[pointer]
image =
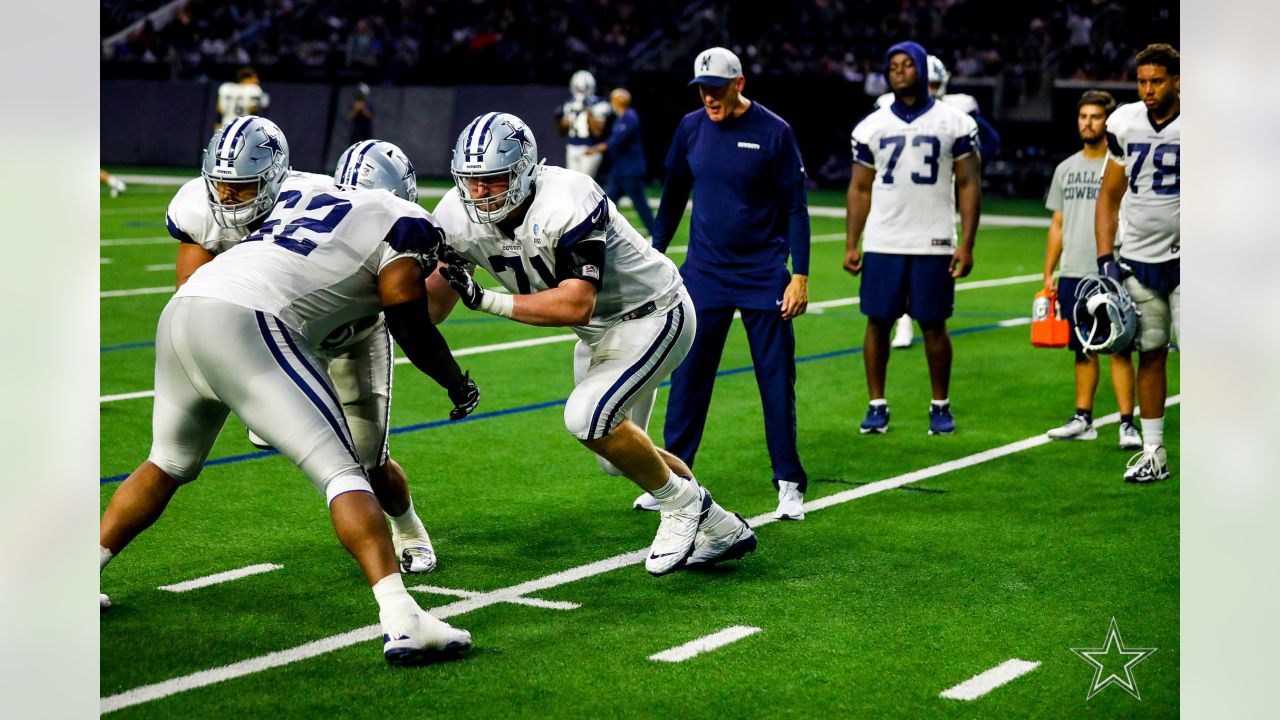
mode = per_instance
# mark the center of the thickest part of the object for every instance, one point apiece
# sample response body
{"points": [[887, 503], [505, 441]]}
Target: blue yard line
{"points": [[547, 404], [127, 346]]}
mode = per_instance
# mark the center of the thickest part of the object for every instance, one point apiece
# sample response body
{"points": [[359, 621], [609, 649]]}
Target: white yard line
{"points": [[715, 640], [117, 242], [569, 337], [160, 266], [531, 602], [167, 289], [165, 688], [983, 683], [104, 261], [221, 577]]}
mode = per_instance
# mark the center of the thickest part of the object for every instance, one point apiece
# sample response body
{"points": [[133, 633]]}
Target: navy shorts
{"points": [[1067, 301], [893, 285]]}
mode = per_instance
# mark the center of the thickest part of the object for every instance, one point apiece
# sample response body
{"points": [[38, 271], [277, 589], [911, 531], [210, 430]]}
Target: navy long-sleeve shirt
{"points": [[626, 152], [749, 203]]}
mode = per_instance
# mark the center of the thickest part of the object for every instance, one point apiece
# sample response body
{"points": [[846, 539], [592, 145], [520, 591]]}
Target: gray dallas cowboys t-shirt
{"points": [[1074, 192]]}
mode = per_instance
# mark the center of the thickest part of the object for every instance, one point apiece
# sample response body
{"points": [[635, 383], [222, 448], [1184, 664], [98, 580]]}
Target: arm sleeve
{"points": [[793, 200], [410, 324], [1115, 146], [177, 232], [860, 143], [675, 191], [583, 260], [966, 140]]}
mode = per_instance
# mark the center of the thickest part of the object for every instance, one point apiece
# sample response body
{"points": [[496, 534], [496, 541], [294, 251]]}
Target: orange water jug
{"points": [[1048, 328]]}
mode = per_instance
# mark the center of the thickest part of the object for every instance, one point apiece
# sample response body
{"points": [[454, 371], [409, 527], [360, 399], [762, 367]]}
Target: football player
{"points": [[570, 259], [1073, 193], [908, 153], [1141, 187], [988, 143], [358, 356], [242, 97], [582, 119], [240, 336]]}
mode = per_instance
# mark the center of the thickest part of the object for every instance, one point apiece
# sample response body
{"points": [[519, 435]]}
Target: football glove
{"points": [[1108, 267], [465, 285], [465, 398]]}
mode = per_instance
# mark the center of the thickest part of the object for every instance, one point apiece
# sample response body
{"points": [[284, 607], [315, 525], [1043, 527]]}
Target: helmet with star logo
{"points": [[377, 164], [244, 166], [497, 153]]}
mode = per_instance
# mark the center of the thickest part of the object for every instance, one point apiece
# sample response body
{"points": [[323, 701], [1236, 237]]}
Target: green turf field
{"points": [[872, 606]]}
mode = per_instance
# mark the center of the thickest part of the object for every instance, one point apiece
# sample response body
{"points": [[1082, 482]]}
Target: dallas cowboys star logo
{"points": [[272, 143], [1098, 657], [520, 136]]}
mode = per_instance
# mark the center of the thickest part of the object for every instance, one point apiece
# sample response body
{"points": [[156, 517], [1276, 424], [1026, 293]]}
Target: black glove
{"points": [[465, 398], [1108, 267], [465, 285]]}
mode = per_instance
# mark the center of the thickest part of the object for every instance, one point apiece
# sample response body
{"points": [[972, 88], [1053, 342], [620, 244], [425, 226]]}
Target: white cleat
{"points": [[1147, 466], [790, 501], [676, 533], [903, 333], [257, 441], [647, 503], [413, 639], [729, 539], [415, 553], [1077, 428], [104, 602], [1130, 438]]}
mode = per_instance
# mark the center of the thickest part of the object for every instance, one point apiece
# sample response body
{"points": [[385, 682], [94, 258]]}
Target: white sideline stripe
{"points": [[715, 640], [117, 242], [497, 347], [137, 291], [165, 688], [104, 261], [221, 577], [983, 683], [532, 602], [161, 266]]}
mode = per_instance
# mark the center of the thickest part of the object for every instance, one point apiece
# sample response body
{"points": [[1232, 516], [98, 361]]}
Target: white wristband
{"points": [[496, 303]]}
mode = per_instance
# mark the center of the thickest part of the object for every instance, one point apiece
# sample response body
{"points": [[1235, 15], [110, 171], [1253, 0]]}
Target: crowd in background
{"points": [[472, 41]]}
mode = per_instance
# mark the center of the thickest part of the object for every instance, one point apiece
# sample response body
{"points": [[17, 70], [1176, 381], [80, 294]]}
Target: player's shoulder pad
{"points": [[568, 206], [302, 181], [965, 103], [1123, 117], [884, 100], [188, 212]]}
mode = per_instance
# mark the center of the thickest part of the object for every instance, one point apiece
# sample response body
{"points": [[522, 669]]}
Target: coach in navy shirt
{"points": [[749, 213]]}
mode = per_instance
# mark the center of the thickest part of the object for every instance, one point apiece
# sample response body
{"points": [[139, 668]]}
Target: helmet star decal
{"points": [[518, 134], [272, 143]]}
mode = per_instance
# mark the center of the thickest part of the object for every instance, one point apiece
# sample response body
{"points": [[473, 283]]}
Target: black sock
{"points": [[1127, 418], [1086, 414]]}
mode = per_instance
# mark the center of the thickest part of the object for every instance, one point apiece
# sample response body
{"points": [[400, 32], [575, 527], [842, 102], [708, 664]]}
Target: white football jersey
{"points": [[315, 261], [190, 220], [966, 104], [1151, 157], [578, 109], [567, 207], [238, 99], [913, 196]]}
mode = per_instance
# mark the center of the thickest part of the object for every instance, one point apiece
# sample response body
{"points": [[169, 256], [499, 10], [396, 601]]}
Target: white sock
{"points": [[677, 492], [878, 402], [408, 523], [1153, 431], [941, 403], [104, 557], [392, 598]]}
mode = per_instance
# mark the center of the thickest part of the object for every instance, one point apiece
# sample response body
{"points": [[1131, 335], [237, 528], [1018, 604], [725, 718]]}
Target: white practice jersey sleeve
{"points": [[568, 207], [884, 100], [913, 195], [189, 219], [1151, 157], [962, 102], [315, 262]]}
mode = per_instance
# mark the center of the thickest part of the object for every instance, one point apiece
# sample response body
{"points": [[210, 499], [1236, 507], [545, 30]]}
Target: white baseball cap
{"points": [[716, 67]]}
